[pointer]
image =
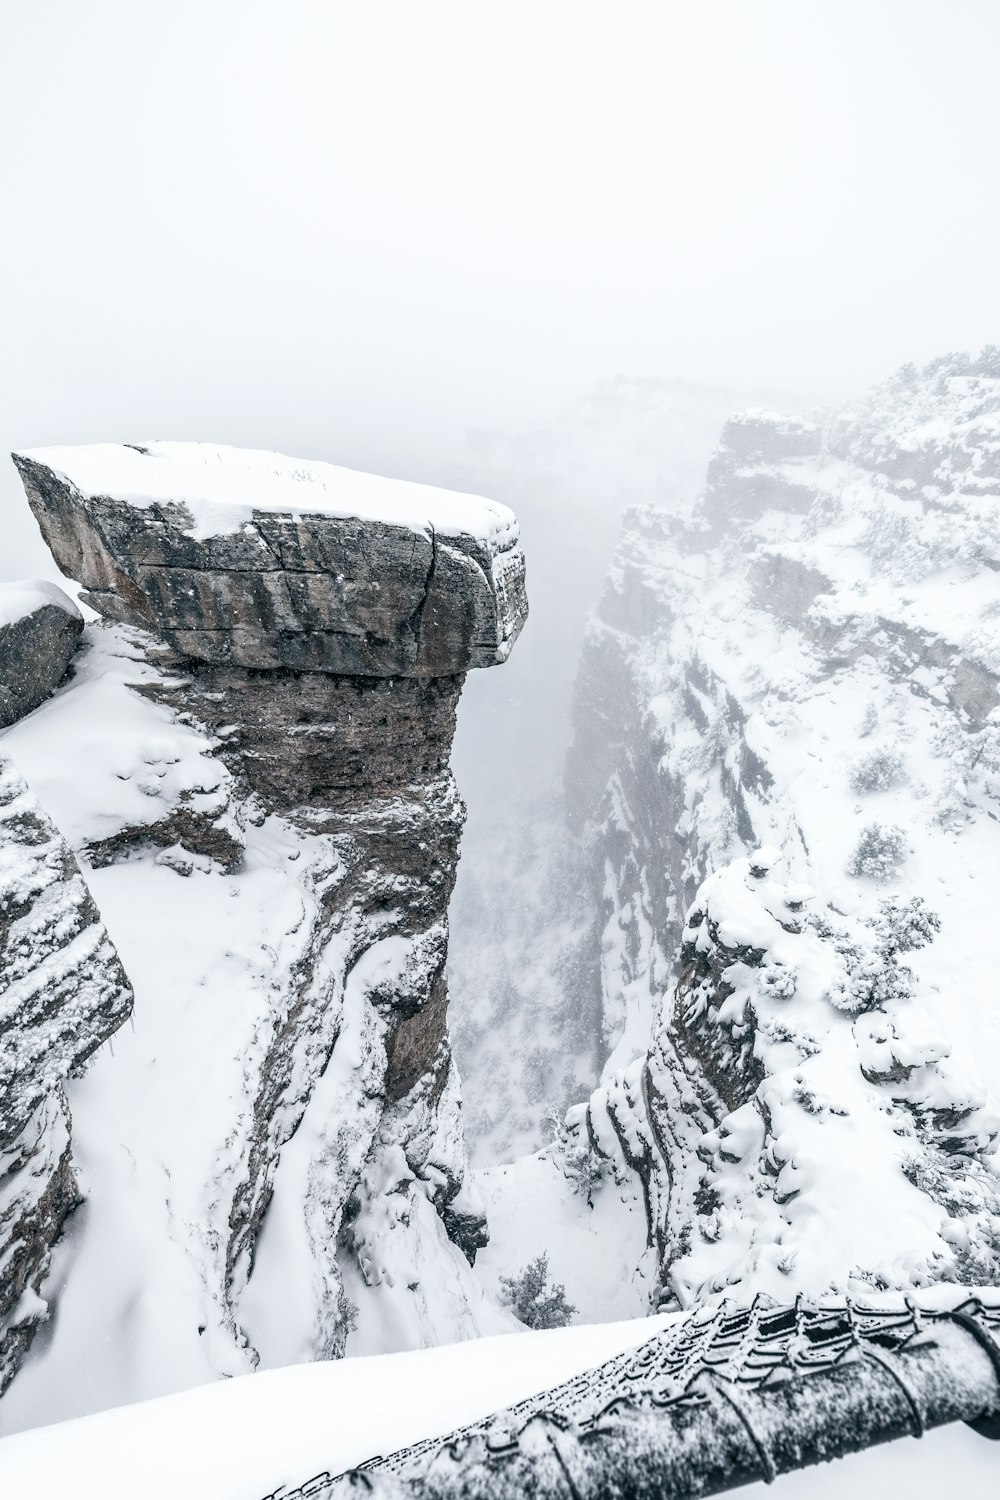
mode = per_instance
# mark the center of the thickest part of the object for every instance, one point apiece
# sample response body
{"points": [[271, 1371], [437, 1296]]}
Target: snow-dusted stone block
{"points": [[255, 560], [40, 628], [63, 992]]}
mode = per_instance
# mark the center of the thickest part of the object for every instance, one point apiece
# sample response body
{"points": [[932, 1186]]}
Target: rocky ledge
{"points": [[312, 628], [261, 561]]}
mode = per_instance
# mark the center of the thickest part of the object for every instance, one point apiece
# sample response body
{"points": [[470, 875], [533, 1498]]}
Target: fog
{"points": [[539, 250], [357, 231]]}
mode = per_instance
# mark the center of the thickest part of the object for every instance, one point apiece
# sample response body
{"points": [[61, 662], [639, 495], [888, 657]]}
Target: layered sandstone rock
{"points": [[311, 629], [62, 994], [259, 561]]}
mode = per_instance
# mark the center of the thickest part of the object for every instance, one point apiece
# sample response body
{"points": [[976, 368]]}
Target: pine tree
{"points": [[533, 1301]]}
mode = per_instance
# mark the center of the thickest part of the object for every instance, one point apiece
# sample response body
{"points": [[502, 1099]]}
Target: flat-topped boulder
{"points": [[255, 560], [40, 628]]}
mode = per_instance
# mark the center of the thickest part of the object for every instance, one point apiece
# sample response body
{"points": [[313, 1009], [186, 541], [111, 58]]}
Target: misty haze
{"points": [[499, 749]]}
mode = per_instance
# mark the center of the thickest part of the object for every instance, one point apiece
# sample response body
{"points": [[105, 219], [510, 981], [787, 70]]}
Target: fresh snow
{"points": [[19, 599], [223, 487]]}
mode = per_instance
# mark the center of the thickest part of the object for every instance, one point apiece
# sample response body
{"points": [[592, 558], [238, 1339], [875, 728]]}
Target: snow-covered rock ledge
{"points": [[266, 709], [258, 560]]}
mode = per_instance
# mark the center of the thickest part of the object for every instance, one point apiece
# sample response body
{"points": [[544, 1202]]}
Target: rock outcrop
{"points": [[807, 659], [62, 994], [259, 561], [306, 631], [40, 629]]}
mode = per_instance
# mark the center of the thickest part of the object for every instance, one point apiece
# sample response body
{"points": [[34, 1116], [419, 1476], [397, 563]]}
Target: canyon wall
{"points": [[787, 769]]}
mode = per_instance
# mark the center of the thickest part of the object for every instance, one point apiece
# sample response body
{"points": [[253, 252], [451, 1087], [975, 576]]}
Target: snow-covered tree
{"points": [[532, 1299], [879, 852], [877, 771]]}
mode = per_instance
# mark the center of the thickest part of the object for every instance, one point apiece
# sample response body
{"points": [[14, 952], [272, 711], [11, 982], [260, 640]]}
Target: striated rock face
{"points": [[299, 637], [40, 628], [62, 993], [809, 661], [256, 560]]}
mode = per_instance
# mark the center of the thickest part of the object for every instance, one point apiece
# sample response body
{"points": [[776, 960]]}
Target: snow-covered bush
{"points": [[904, 926], [879, 852], [581, 1166], [877, 771], [869, 979], [778, 980], [872, 974], [533, 1301]]}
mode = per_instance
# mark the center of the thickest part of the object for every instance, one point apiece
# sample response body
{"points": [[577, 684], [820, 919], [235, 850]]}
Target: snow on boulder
{"points": [[40, 629], [256, 560]]}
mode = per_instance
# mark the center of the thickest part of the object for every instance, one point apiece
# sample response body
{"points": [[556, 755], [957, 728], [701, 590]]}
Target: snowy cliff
{"points": [[252, 762], [787, 773], [62, 989]]}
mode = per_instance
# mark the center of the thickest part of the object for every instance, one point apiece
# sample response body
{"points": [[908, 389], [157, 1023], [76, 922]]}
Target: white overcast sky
{"points": [[355, 229]]}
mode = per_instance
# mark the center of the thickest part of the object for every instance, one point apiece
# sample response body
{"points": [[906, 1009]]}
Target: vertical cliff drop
{"points": [[285, 648], [787, 765]]}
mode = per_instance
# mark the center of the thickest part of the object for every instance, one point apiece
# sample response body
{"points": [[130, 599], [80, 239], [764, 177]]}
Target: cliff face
{"points": [[285, 649], [62, 989], [808, 661]]}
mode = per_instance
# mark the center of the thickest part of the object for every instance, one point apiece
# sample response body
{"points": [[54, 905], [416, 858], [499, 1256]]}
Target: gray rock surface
{"points": [[40, 629], [418, 595]]}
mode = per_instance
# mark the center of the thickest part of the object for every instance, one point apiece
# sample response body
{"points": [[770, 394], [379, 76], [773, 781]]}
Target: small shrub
{"points": [[869, 723], [533, 1300], [778, 980], [879, 852], [877, 772], [870, 979], [873, 975], [904, 926], [583, 1169]]}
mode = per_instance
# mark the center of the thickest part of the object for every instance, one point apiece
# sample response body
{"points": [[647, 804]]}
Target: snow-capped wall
{"points": [[805, 661], [272, 829]]}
